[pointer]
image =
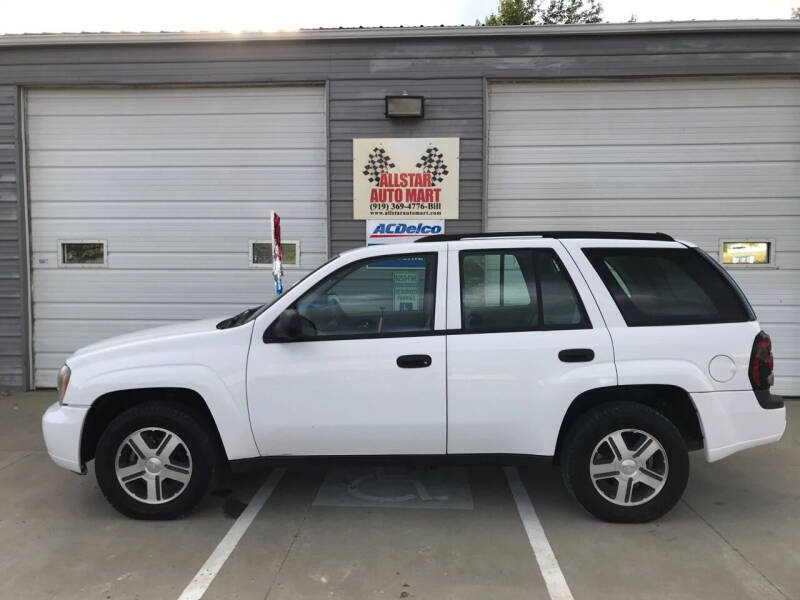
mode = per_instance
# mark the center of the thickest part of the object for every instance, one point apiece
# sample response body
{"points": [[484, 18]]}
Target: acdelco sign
{"points": [[395, 232], [405, 229]]}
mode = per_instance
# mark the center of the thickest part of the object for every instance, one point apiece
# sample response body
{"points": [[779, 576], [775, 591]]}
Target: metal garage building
{"points": [[171, 149]]}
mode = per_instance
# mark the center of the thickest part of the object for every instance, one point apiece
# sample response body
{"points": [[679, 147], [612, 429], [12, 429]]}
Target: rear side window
{"points": [[668, 286], [517, 290]]}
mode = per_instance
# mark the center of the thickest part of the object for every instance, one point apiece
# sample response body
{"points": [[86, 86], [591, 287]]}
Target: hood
{"points": [[167, 332]]}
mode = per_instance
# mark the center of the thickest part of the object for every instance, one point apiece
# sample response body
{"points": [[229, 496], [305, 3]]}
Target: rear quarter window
{"points": [[668, 286]]}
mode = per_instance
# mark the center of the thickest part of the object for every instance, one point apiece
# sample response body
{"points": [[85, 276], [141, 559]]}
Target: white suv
{"points": [[614, 353]]}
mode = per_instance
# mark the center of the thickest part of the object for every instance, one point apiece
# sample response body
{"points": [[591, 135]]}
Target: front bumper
{"points": [[62, 427], [734, 421]]}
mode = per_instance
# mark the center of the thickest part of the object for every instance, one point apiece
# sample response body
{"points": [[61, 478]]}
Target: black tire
{"points": [[593, 427], [197, 437]]}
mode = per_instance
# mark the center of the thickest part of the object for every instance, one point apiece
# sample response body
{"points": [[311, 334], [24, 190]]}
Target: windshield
{"points": [[251, 314]]}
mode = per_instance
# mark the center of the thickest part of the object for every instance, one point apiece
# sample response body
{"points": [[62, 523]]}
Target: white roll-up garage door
{"points": [[704, 160], [176, 183]]}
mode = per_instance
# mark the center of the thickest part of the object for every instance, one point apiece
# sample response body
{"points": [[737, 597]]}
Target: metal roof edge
{"points": [[51, 39]]}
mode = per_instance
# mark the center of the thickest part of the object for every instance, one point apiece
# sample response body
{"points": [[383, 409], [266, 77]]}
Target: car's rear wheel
{"points": [[625, 462], [156, 461]]}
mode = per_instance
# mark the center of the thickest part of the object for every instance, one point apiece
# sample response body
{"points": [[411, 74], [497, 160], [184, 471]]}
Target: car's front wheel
{"points": [[625, 462], [156, 461]]}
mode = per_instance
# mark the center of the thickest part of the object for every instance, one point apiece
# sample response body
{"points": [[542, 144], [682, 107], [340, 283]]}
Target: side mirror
{"points": [[288, 327]]}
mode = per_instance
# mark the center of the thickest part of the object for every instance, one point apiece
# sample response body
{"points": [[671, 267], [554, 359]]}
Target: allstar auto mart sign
{"points": [[405, 177]]}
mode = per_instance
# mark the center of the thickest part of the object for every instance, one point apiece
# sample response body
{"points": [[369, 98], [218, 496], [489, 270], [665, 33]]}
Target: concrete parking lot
{"points": [[399, 531]]}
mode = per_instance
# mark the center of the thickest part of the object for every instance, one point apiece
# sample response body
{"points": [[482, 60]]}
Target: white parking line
{"points": [[198, 586], [553, 577]]}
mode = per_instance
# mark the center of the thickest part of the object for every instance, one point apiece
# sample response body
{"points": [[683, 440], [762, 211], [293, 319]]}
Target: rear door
{"points": [[525, 337]]}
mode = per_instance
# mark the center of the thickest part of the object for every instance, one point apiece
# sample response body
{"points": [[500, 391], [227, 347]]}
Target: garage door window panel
{"points": [[261, 253], [379, 297], [517, 290], [82, 253], [747, 254]]}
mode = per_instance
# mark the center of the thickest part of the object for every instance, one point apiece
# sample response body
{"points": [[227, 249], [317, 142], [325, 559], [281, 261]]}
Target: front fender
{"points": [[228, 410]]}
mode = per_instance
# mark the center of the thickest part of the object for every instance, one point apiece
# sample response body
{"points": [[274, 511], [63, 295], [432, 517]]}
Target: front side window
{"points": [[667, 287], [517, 290], [380, 296]]}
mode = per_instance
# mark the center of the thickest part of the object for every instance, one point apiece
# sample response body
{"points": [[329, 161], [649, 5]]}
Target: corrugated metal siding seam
{"points": [[300, 71], [485, 171], [26, 293], [12, 363], [328, 156], [351, 60]]}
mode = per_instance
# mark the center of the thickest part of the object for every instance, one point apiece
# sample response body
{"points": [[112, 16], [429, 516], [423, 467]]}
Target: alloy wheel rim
{"points": [[629, 467], [153, 465]]}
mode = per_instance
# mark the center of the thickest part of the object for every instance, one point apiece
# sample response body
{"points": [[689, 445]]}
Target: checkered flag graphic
{"points": [[432, 161], [378, 162]]}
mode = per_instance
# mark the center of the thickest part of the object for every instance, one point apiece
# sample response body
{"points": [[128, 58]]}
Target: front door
{"points": [[368, 375], [525, 338]]}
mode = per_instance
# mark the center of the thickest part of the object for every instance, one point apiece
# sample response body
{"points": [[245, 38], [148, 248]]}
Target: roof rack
{"points": [[603, 235]]}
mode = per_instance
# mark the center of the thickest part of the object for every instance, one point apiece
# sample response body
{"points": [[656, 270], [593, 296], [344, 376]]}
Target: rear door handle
{"points": [[576, 355], [414, 361]]}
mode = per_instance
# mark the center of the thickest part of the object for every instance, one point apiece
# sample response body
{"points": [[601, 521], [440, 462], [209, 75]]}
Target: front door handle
{"points": [[576, 355], [414, 361]]}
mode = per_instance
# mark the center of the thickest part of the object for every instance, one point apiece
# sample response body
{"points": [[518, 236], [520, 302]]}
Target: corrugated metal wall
{"points": [[448, 71], [13, 353]]}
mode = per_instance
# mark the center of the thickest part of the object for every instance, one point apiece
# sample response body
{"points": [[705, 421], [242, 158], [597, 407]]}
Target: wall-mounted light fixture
{"points": [[405, 106]]}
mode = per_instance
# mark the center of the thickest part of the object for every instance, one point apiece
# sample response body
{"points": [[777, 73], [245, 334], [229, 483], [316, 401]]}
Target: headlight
{"points": [[62, 382]]}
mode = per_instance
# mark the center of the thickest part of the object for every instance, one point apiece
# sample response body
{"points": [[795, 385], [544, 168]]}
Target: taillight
{"points": [[761, 362]]}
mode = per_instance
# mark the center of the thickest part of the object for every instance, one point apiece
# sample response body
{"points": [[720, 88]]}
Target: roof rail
{"points": [[603, 235]]}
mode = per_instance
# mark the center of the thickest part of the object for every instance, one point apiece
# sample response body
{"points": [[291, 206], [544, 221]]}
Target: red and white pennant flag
{"points": [[277, 253]]}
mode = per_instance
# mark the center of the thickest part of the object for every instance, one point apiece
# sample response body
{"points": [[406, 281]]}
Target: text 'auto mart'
{"points": [[138, 171]]}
